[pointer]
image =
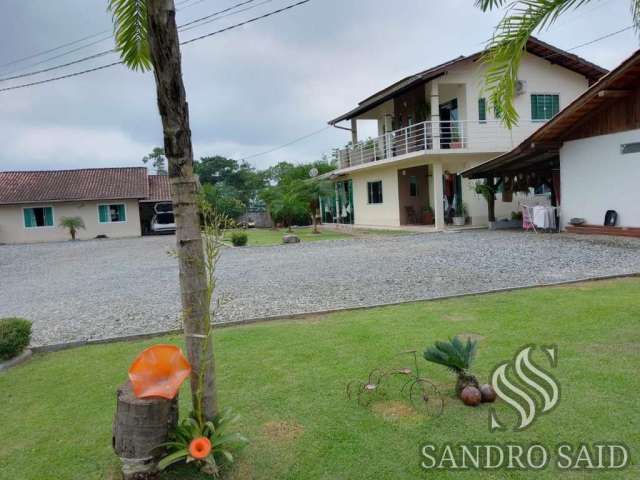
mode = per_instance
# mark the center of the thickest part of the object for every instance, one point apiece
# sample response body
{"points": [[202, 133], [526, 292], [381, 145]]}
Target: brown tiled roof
{"points": [[68, 185], [159, 189]]}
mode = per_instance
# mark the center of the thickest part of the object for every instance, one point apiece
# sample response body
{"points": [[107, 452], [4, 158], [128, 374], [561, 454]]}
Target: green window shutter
{"points": [[555, 105], [48, 216], [29, 218], [103, 211], [544, 107], [121, 213], [482, 110]]}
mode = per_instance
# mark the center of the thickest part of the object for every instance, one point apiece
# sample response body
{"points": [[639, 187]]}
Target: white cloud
{"points": [[251, 89], [70, 147]]}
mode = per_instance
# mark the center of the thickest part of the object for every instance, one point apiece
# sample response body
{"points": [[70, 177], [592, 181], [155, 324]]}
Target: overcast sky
{"points": [[250, 89]]}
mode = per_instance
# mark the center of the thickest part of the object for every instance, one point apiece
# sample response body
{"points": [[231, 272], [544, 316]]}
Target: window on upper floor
{"points": [[374, 190], [38, 217], [113, 213], [544, 107], [482, 110]]}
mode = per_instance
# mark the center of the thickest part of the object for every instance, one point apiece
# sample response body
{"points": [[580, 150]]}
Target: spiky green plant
{"points": [[223, 444], [73, 224], [457, 356], [507, 45]]}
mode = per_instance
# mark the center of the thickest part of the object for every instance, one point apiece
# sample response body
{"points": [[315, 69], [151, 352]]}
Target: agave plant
{"points": [[457, 356], [207, 443], [73, 224]]}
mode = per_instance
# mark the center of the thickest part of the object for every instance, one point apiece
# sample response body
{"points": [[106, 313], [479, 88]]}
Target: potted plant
{"points": [[460, 216], [427, 215]]}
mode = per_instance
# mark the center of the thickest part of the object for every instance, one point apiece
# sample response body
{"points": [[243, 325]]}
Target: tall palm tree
{"points": [[505, 49], [147, 38]]}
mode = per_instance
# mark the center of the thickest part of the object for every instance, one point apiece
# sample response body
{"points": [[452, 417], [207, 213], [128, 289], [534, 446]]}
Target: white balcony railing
{"points": [[446, 137]]}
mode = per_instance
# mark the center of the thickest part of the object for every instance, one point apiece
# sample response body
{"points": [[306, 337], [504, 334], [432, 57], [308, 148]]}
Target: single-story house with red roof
{"points": [[110, 201], [588, 155]]}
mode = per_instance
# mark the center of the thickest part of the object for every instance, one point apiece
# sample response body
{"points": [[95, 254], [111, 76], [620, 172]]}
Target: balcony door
{"points": [[449, 127]]}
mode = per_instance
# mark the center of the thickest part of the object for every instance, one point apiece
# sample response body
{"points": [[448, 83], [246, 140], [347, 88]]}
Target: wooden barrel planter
{"points": [[139, 426]]}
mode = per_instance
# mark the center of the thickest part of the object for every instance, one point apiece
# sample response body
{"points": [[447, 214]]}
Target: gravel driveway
{"points": [[104, 288]]}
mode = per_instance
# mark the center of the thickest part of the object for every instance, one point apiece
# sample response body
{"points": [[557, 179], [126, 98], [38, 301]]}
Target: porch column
{"points": [[435, 114], [354, 131], [438, 208]]}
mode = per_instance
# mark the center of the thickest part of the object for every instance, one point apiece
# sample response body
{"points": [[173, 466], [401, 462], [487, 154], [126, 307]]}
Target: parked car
{"points": [[163, 223]]}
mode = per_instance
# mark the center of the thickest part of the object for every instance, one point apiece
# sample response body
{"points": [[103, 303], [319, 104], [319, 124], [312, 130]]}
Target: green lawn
{"points": [[287, 380], [270, 236]]}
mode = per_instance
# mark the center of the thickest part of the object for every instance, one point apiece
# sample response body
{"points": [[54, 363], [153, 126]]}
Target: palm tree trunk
{"points": [[174, 111]]}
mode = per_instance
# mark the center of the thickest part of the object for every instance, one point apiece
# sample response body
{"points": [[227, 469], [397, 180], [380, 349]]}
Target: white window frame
{"points": [[381, 191], [126, 213], [53, 216], [544, 93]]}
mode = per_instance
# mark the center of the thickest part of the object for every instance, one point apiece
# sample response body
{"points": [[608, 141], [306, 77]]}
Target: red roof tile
{"points": [[159, 189], [68, 185]]}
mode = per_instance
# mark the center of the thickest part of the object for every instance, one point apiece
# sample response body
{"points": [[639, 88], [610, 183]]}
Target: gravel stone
{"points": [[99, 289]]}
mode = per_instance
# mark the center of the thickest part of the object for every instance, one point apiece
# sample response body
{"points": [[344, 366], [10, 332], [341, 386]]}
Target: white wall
{"points": [[12, 229], [596, 177], [386, 213]]}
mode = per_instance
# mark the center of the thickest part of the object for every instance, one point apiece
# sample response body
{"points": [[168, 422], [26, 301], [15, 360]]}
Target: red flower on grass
{"points": [[200, 448]]}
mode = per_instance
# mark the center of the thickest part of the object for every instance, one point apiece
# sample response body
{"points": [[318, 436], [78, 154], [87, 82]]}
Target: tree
{"points": [[488, 190], [312, 190], [224, 199], [157, 159], [241, 177], [147, 38], [509, 40], [286, 202], [73, 224]]}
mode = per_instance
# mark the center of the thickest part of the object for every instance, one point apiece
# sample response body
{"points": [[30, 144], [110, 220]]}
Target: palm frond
{"points": [[454, 354], [485, 5], [131, 30], [505, 49], [635, 14]]}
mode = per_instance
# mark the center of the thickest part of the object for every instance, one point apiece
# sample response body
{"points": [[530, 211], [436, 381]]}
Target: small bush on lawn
{"points": [[239, 239], [15, 334]]}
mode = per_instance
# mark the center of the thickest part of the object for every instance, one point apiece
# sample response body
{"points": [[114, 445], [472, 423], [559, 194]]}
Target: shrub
{"points": [[239, 239], [15, 334]]}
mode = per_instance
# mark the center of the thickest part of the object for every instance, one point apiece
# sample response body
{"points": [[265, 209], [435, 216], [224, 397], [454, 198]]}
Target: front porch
{"points": [[423, 195]]}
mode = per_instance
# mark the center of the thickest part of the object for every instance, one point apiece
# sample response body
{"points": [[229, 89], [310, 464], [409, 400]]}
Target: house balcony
{"points": [[443, 137]]}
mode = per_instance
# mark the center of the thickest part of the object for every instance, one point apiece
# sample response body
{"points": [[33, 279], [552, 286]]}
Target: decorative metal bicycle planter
{"points": [[421, 392]]}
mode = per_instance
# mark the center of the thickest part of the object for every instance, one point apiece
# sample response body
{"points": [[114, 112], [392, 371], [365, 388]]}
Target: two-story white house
{"points": [[435, 124]]}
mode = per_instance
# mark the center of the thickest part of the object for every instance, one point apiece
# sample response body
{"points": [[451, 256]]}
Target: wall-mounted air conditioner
{"points": [[521, 87]]}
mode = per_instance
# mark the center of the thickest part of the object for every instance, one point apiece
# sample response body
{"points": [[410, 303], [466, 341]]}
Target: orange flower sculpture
{"points": [[200, 448], [158, 372]]}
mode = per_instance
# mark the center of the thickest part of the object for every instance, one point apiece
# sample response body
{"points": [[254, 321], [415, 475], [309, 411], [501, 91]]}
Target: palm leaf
{"points": [[504, 51], [172, 458], [454, 354], [131, 31]]}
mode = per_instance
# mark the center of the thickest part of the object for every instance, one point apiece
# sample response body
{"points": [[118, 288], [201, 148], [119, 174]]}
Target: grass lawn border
{"points": [[297, 316]]}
